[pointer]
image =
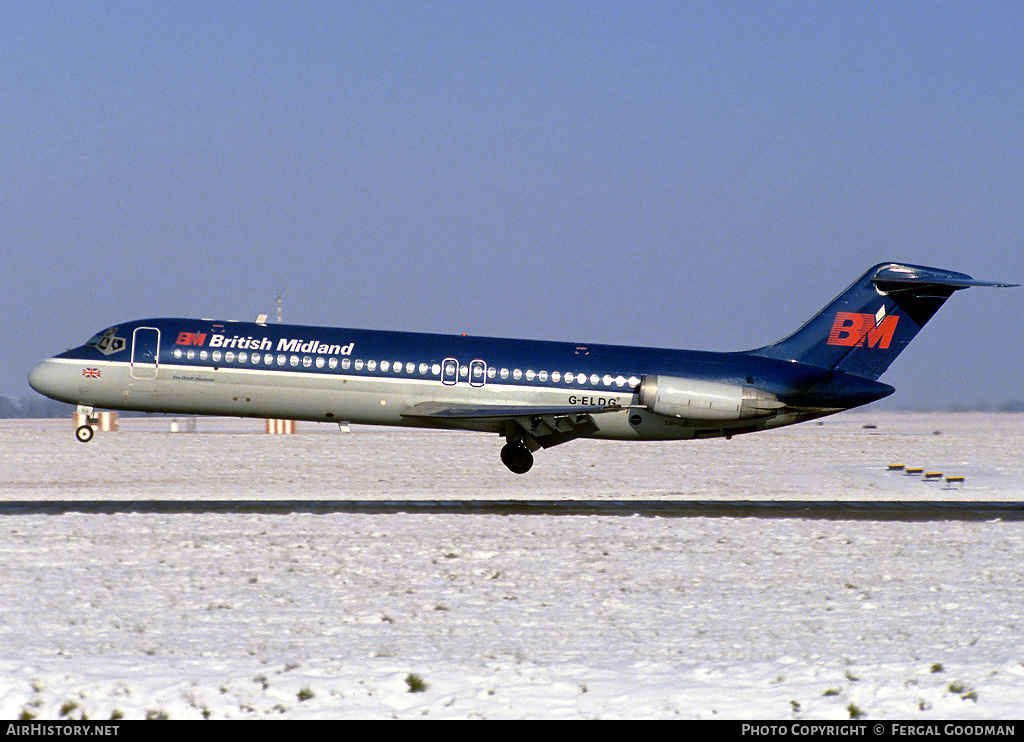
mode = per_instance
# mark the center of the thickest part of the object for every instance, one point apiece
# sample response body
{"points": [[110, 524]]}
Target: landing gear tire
{"points": [[517, 458], [84, 433]]}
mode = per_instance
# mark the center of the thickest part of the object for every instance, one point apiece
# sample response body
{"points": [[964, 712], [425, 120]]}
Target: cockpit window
{"points": [[108, 342]]}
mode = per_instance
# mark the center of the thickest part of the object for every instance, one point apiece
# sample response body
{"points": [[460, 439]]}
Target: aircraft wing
{"points": [[442, 411], [539, 425]]}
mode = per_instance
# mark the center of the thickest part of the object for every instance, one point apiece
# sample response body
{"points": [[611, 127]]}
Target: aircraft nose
{"points": [[50, 379]]}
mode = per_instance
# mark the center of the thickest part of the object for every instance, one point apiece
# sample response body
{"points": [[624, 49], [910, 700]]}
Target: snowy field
{"points": [[298, 615]]}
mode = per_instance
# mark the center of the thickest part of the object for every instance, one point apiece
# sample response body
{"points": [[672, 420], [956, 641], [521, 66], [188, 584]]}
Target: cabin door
{"points": [[450, 372], [145, 352]]}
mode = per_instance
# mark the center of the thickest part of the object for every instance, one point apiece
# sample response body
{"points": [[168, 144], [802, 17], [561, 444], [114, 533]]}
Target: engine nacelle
{"points": [[705, 400]]}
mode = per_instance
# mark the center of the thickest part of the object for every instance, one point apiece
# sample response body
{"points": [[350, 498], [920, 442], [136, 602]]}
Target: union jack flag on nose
{"points": [[91, 373]]}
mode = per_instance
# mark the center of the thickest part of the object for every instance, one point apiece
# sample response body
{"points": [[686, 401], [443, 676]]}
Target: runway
{"points": [[880, 511]]}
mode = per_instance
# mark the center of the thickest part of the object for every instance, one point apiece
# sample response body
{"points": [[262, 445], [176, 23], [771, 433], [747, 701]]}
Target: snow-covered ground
{"points": [[338, 615]]}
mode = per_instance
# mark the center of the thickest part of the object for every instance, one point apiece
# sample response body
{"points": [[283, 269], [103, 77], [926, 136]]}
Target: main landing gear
{"points": [[517, 457]]}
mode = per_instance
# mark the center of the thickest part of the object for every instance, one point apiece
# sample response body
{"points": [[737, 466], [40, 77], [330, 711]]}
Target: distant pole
{"points": [[280, 427]]}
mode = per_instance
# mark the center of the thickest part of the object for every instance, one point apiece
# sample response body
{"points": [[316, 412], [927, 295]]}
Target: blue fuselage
{"points": [[187, 366]]}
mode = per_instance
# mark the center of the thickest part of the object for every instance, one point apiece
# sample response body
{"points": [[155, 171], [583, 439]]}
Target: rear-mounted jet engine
{"points": [[694, 399]]}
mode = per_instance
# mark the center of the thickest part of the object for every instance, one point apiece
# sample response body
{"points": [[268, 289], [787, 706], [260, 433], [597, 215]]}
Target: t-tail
{"points": [[863, 330]]}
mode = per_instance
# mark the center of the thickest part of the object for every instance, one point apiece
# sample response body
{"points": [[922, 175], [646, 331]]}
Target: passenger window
{"points": [[359, 364], [436, 369], [504, 373], [543, 376], [307, 361], [229, 357], [517, 374], [371, 365], [410, 368], [384, 366], [345, 363], [320, 361], [530, 375]]}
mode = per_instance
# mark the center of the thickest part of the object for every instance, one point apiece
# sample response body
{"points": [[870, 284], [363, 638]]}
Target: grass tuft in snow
{"points": [[416, 683], [958, 688], [69, 707]]}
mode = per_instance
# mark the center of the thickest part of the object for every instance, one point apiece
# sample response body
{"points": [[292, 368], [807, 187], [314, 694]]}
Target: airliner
{"points": [[534, 394]]}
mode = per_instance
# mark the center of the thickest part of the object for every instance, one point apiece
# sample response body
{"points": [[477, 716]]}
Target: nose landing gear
{"points": [[86, 431]]}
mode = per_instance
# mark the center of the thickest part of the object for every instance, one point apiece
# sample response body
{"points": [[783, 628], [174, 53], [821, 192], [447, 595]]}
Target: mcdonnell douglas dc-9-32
{"points": [[534, 394]]}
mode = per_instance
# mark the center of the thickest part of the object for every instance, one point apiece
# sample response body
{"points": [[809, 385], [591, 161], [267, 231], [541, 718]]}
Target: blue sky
{"points": [[699, 175]]}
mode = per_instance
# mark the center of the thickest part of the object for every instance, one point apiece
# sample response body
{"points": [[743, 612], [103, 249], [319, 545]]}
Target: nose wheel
{"points": [[86, 431], [517, 457]]}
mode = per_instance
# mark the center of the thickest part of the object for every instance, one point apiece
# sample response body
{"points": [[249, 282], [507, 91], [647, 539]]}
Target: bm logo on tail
{"points": [[863, 330]]}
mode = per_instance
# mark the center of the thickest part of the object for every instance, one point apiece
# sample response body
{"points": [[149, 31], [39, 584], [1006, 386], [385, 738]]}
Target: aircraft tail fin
{"points": [[863, 330]]}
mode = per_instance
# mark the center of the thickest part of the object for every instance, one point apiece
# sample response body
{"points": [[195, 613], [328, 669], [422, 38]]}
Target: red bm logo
{"points": [[855, 329], [191, 338]]}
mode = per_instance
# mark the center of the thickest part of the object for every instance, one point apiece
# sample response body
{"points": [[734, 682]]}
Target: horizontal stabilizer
{"points": [[893, 277]]}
